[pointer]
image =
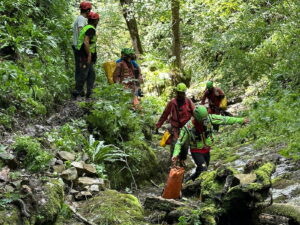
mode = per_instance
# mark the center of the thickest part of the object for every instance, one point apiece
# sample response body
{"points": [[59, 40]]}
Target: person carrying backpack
{"points": [[80, 22], [197, 135], [86, 48], [178, 112]]}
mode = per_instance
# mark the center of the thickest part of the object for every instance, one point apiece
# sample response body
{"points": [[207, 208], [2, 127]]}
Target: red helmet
{"points": [[85, 5], [93, 16]]}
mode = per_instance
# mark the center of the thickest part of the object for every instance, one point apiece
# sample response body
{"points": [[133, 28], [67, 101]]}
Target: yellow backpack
{"points": [[109, 68], [223, 103]]}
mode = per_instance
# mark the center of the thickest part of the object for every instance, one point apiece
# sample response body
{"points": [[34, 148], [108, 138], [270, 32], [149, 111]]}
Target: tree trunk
{"points": [[132, 26], [175, 4]]}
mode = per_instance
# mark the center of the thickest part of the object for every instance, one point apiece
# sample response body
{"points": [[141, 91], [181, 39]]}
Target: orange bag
{"points": [[174, 183]]}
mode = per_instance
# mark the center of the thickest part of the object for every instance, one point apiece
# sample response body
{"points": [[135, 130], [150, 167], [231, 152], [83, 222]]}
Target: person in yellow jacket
{"points": [[197, 135]]}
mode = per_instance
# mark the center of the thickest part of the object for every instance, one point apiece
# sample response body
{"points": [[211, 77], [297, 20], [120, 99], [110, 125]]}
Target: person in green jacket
{"points": [[86, 47], [197, 134]]}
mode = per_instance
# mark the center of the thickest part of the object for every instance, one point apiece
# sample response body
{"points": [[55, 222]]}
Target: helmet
{"points": [[209, 84], [93, 16], [127, 51], [200, 112], [181, 87], [85, 5]]}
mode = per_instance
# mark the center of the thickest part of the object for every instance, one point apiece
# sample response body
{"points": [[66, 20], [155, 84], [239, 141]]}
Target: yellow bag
{"points": [[223, 103], [109, 68], [166, 136]]}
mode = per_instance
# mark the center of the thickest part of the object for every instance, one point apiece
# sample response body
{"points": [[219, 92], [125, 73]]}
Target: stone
{"points": [[49, 201], [273, 219], [9, 160], [90, 169], [191, 189], [26, 189], [83, 195], [78, 165], [9, 189], [83, 181], [4, 174], [52, 162], [84, 157], [17, 183], [59, 168], [246, 178], [94, 188], [66, 156], [59, 162], [161, 204], [73, 191], [69, 174]]}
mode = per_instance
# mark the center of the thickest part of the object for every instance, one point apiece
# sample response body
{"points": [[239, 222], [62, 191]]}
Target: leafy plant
{"points": [[35, 157]]}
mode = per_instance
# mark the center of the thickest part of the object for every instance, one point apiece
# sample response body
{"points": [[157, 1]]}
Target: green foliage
{"points": [[69, 137], [274, 123], [34, 71], [36, 158], [194, 219]]}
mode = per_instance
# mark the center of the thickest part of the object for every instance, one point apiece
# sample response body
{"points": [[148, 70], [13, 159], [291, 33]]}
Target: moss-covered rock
{"points": [[10, 216], [112, 207], [50, 201], [290, 211]]}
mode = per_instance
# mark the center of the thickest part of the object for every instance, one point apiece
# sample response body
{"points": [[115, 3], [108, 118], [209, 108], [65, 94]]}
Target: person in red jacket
{"points": [[178, 112], [214, 96]]}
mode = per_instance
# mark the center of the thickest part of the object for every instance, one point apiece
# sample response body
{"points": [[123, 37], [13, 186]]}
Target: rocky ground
{"points": [[71, 193]]}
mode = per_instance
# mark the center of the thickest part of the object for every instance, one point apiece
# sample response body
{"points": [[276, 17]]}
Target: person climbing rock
{"points": [[124, 72], [137, 71], [214, 96], [80, 22], [87, 56], [197, 135], [178, 112]]}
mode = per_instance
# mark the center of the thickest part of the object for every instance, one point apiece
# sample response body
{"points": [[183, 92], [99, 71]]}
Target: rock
{"points": [[9, 188], [273, 219], [78, 165], [59, 168], [174, 215], [66, 156], [90, 169], [9, 160], [83, 181], [52, 162], [25, 189], [83, 195], [10, 215], [191, 189], [4, 174], [112, 207], [246, 178], [69, 174], [159, 203], [84, 157], [156, 217], [59, 162], [49, 201], [17, 183], [94, 188], [284, 210]]}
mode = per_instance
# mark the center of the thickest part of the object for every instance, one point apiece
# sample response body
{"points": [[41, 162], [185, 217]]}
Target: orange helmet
{"points": [[85, 5], [93, 16]]}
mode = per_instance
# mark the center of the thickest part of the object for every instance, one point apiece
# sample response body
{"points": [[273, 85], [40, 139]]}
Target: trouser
{"points": [[202, 162], [86, 75], [77, 64]]}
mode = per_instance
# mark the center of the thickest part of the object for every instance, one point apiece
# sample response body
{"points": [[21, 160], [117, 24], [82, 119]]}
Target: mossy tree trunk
{"points": [[175, 5], [132, 25]]}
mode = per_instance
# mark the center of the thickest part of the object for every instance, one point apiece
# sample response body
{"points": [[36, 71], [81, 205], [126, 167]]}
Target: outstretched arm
{"points": [[227, 120]]}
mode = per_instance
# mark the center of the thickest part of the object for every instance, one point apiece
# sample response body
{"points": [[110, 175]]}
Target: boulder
{"points": [[94, 188], [162, 204], [246, 178], [49, 201], [10, 215], [78, 165], [112, 207], [69, 174], [4, 174], [66, 156]]}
